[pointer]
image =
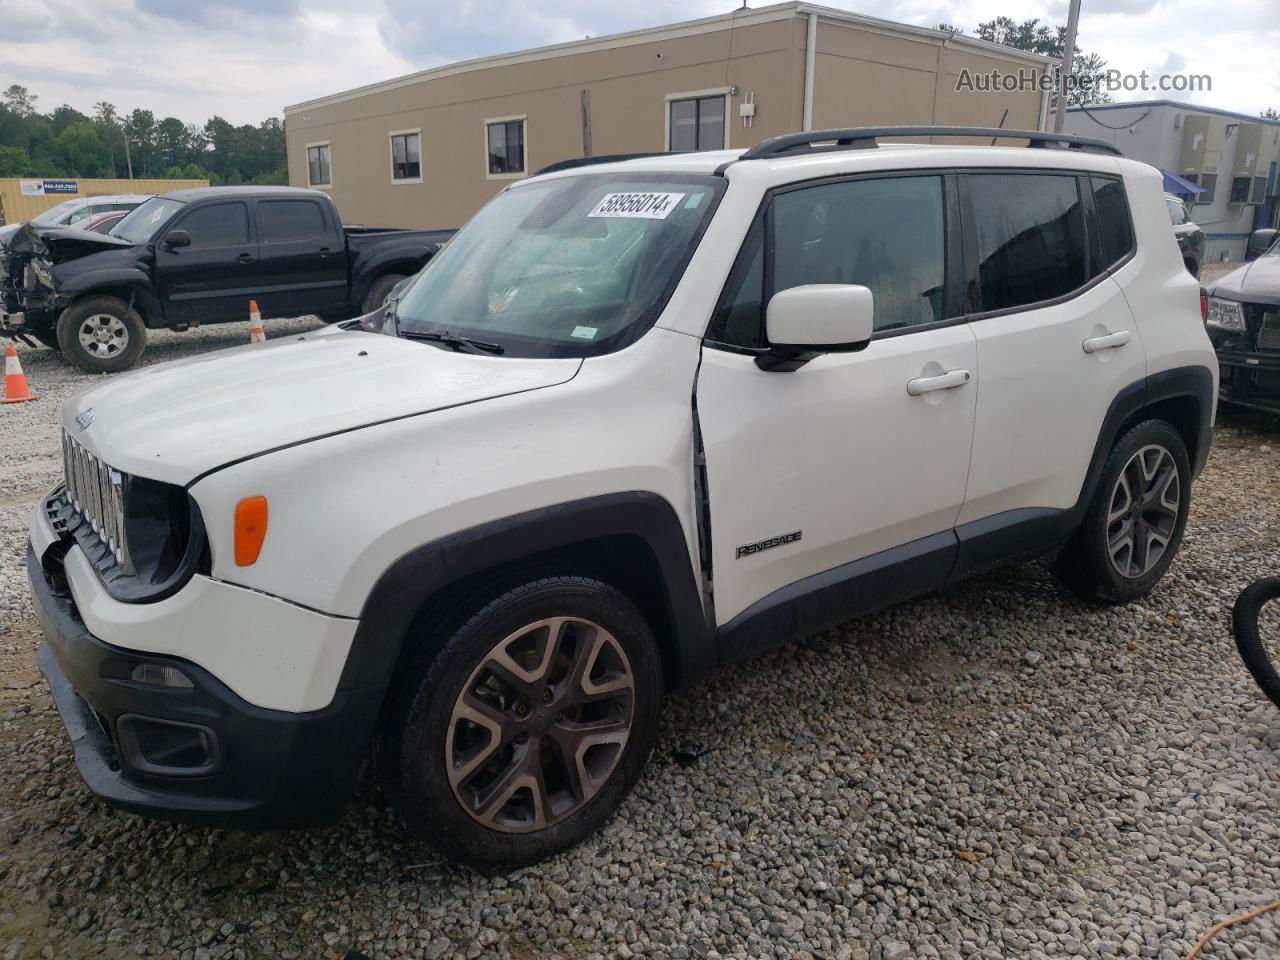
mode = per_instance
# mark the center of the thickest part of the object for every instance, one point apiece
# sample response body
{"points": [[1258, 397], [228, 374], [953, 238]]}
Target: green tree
{"points": [[1271, 113], [1041, 38], [83, 154], [13, 162], [21, 101]]}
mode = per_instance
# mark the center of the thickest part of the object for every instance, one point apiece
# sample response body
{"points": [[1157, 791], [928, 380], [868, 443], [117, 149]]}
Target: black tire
{"points": [[414, 740], [1086, 564], [1244, 623], [377, 294], [119, 355]]}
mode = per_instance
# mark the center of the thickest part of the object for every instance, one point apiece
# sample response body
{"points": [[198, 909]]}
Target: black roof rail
{"points": [[862, 138], [575, 162]]}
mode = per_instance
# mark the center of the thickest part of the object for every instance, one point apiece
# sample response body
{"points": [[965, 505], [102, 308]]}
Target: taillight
{"points": [[1204, 305]]}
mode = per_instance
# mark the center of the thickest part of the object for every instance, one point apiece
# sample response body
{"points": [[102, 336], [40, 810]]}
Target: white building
{"points": [[1222, 163]]}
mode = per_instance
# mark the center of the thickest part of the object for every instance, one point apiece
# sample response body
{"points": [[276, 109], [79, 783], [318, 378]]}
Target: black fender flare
{"points": [[403, 588], [399, 259], [142, 294]]}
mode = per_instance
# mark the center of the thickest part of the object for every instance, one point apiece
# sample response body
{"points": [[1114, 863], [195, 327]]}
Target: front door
{"points": [[212, 279], [854, 462]]}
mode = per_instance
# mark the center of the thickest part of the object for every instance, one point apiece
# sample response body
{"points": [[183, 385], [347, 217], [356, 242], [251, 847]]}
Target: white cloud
{"points": [[245, 59]]}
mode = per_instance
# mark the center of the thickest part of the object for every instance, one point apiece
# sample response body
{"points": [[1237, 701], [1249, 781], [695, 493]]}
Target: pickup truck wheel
{"points": [[101, 334], [377, 294], [1134, 526], [528, 723]]}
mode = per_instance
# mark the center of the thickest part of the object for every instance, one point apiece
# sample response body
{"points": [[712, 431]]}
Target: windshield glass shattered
{"points": [[572, 266]]}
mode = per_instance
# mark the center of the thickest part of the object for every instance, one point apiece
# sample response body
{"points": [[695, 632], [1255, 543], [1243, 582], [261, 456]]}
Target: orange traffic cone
{"points": [[256, 333], [15, 381]]}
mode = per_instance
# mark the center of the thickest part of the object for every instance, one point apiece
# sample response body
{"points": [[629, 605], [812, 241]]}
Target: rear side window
{"points": [[1114, 228], [285, 220], [217, 225], [1029, 234]]}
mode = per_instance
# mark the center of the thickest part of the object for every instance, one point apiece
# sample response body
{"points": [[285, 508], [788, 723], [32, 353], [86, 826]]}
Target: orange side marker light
{"points": [[251, 529]]}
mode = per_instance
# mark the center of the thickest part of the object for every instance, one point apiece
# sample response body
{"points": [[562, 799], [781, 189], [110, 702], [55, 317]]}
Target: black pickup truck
{"points": [[198, 256]]}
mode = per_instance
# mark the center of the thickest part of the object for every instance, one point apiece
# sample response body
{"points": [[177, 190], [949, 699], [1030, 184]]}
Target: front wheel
{"points": [[520, 730], [1134, 525], [379, 291], [101, 334]]}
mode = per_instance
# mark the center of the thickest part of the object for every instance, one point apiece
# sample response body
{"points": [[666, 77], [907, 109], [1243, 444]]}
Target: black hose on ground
{"points": [[1244, 623]]}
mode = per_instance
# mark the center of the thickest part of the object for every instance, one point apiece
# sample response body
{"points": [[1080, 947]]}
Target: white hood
{"points": [[176, 421]]}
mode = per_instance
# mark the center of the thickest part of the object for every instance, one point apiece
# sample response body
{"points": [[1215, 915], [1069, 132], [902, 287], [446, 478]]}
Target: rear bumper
{"points": [[197, 754]]}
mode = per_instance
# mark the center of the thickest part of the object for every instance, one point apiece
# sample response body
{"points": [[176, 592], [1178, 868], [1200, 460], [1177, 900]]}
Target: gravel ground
{"points": [[998, 770]]}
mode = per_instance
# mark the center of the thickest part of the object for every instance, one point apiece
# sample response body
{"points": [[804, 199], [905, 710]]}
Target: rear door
{"points": [[1056, 339], [213, 279], [829, 475], [303, 262]]}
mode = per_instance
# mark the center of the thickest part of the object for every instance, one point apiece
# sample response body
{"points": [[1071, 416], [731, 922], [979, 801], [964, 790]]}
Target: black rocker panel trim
{"points": [[833, 596], [403, 588]]}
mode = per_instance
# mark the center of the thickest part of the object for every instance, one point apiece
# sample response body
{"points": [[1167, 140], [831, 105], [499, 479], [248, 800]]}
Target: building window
{"points": [[1259, 190], [319, 172], [406, 156], [1240, 189], [505, 147], [1210, 183], [696, 123]]}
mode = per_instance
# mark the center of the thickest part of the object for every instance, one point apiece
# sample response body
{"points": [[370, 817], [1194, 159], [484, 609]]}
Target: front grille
{"points": [[1269, 330], [96, 492]]}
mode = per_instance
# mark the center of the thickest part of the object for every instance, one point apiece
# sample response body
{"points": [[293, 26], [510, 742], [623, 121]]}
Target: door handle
{"points": [[325, 252], [245, 258], [1109, 342], [944, 381]]}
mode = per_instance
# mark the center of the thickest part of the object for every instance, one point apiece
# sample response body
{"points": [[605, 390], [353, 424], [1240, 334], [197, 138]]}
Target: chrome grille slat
{"points": [[96, 492]]}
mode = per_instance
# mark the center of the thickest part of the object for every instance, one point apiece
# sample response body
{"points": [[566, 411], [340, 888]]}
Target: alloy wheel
{"points": [[103, 336], [1143, 511], [540, 724]]}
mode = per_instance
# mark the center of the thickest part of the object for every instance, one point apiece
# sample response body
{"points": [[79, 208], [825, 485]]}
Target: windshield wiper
{"points": [[453, 342]]}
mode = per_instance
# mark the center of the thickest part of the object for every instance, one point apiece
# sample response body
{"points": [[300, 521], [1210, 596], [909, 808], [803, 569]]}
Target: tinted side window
{"points": [[1115, 231], [884, 234], [740, 320], [284, 220], [217, 225], [1029, 233]]}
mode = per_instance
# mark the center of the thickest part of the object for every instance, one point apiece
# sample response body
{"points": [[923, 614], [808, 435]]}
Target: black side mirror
{"points": [[1260, 242], [177, 238]]}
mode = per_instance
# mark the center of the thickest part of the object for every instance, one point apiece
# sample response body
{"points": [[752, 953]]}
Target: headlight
{"points": [[1226, 315]]}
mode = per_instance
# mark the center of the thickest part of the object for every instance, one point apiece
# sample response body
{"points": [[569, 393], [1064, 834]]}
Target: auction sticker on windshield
{"points": [[641, 206]]}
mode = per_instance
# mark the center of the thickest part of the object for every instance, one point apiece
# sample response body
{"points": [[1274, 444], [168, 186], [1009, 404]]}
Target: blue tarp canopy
{"points": [[1175, 184]]}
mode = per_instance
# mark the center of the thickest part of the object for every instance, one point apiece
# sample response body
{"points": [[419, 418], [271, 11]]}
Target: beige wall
{"points": [[16, 207], [863, 76]]}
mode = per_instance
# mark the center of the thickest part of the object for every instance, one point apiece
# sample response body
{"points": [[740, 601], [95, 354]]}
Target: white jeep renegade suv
{"points": [[639, 418]]}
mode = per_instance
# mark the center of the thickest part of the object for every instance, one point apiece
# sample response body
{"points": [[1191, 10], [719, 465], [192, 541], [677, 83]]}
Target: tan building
{"points": [[426, 150]]}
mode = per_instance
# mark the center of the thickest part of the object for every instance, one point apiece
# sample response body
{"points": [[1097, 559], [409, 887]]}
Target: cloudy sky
{"points": [[246, 59]]}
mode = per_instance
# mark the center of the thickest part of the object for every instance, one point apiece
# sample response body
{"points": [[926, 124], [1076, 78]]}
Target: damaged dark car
{"points": [[1243, 321], [194, 257]]}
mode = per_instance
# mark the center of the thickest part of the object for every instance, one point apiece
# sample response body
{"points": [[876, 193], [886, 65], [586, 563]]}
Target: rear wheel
{"points": [[101, 334], [1134, 526], [521, 729], [379, 292], [1250, 637]]}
